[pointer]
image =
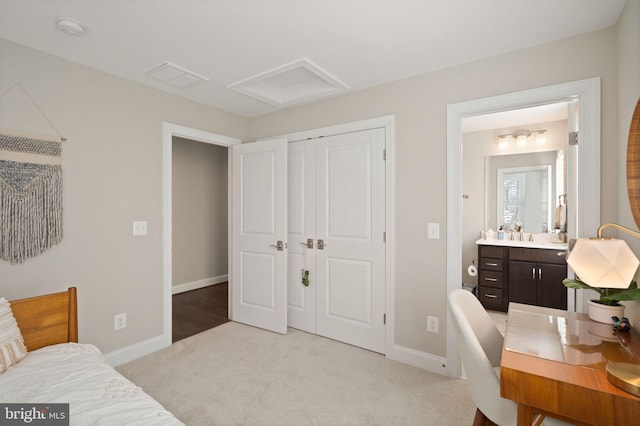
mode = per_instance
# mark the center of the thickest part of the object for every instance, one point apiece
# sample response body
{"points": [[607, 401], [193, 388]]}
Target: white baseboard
{"points": [[194, 285], [137, 350], [419, 359]]}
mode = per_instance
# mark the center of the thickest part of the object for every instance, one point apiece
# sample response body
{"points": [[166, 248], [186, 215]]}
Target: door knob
{"points": [[279, 246]]}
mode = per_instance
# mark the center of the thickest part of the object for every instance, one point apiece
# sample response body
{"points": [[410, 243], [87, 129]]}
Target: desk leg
{"points": [[525, 415]]}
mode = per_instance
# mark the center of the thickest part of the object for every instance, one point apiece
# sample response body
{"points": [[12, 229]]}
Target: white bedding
{"points": [[77, 374]]}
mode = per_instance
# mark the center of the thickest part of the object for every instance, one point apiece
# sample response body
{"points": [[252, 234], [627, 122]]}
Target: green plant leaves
{"points": [[608, 296]]}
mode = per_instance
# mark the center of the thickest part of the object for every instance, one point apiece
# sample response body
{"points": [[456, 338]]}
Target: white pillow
{"points": [[12, 347]]}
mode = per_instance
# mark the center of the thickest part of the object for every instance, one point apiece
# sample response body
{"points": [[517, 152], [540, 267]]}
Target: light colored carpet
{"points": [[239, 375]]}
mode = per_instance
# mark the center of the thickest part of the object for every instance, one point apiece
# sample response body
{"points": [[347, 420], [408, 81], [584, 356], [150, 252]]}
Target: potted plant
{"points": [[608, 305]]}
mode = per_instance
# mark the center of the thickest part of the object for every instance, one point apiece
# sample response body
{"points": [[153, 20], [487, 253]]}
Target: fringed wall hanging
{"points": [[30, 194]]}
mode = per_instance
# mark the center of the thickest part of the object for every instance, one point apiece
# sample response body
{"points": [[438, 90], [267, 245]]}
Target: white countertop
{"points": [[528, 244]]}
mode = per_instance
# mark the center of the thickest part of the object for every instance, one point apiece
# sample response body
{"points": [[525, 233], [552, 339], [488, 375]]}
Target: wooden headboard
{"points": [[48, 319]]}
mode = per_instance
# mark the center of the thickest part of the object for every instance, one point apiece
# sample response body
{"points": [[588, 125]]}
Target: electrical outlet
{"points": [[432, 324], [120, 321]]}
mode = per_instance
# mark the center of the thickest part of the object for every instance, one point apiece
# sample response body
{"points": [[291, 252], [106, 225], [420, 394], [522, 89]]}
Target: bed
{"points": [[57, 369]]}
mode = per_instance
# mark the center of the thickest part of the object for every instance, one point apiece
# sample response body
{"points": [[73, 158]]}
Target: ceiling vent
{"points": [[176, 75], [292, 83]]}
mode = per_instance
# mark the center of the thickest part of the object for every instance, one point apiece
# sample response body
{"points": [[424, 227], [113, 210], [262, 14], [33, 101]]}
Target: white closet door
{"points": [[301, 298], [350, 221], [259, 267]]}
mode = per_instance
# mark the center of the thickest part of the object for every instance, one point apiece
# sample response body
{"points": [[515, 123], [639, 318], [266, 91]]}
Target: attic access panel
{"points": [[292, 83]]}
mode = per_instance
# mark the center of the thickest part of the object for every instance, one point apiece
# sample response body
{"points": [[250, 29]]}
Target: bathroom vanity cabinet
{"points": [[493, 274], [531, 275]]}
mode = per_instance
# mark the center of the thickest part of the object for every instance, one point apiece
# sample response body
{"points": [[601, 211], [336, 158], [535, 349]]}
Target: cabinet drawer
{"points": [[538, 255], [490, 296], [491, 264], [490, 279], [492, 251]]}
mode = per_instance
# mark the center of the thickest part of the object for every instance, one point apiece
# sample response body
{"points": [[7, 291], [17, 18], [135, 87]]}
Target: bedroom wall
{"points": [[199, 214], [419, 105], [112, 166]]}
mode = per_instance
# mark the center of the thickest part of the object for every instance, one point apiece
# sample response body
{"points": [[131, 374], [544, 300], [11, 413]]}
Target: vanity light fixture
{"points": [[503, 142], [522, 137]]}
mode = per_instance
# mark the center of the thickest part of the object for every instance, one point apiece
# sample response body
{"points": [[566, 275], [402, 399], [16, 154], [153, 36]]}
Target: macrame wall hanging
{"points": [[30, 192]]}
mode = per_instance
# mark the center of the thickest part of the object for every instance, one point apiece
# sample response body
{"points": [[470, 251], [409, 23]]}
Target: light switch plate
{"points": [[433, 231], [139, 228]]}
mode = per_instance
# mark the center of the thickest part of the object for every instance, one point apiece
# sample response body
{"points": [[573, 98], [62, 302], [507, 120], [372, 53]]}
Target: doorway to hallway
{"points": [[199, 310]]}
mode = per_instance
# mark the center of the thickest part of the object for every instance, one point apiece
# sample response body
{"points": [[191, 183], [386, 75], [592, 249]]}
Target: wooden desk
{"points": [[554, 363]]}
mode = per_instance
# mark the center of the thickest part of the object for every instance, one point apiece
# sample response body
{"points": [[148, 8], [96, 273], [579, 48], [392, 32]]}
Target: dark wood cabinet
{"points": [[535, 277], [524, 275], [492, 277]]}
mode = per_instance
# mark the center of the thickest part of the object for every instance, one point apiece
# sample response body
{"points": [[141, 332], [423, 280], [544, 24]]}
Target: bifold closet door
{"points": [[301, 271], [337, 200], [350, 221]]}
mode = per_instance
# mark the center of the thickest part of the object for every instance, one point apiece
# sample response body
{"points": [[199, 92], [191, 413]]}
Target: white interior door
{"points": [[350, 226], [301, 279], [259, 259]]}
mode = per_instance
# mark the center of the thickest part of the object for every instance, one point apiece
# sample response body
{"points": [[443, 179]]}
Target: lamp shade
{"points": [[603, 262]]}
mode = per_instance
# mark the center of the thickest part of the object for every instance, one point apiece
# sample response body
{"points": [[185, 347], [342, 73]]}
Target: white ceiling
{"points": [[362, 43]]}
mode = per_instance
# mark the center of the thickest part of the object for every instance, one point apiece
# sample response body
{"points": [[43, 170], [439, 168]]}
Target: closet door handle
{"points": [[278, 245], [321, 244]]}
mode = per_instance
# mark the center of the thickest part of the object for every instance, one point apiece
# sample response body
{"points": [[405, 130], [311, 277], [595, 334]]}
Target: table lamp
{"points": [[609, 263], [604, 262]]}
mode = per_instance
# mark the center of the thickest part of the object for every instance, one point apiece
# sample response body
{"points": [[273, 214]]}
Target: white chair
{"points": [[480, 346]]}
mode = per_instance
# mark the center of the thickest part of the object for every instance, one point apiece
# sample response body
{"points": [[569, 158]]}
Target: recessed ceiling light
{"points": [[70, 26]]}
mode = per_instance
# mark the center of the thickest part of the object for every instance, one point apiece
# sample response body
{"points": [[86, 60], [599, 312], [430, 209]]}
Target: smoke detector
{"points": [[70, 26]]}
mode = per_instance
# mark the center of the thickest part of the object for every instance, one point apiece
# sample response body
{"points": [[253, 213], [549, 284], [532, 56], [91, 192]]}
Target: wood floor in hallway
{"points": [[198, 310]]}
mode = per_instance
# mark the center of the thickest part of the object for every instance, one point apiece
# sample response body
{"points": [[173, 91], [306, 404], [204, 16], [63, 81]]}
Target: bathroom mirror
{"points": [[633, 164], [524, 198], [530, 189]]}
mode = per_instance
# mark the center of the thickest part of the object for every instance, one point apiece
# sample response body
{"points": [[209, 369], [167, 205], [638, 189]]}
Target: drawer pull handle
{"points": [[491, 296], [491, 279], [492, 264]]}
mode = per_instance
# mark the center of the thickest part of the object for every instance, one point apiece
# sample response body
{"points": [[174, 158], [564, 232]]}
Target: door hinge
{"points": [[384, 154], [384, 319], [384, 237], [573, 138]]}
